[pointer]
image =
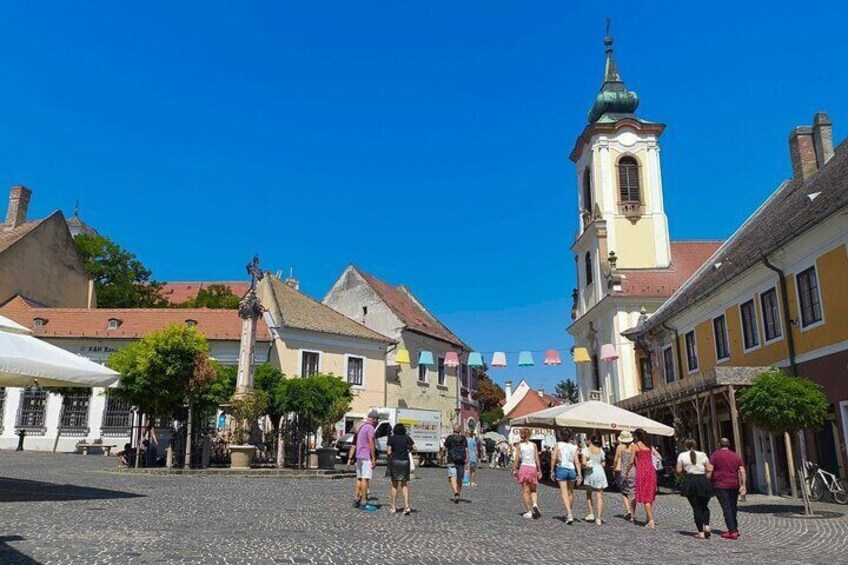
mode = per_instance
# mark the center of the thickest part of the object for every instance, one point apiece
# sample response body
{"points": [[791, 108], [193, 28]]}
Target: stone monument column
{"points": [[250, 310]]}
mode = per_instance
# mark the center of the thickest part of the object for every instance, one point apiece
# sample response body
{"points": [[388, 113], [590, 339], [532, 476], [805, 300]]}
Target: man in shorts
{"points": [[366, 458], [456, 450]]}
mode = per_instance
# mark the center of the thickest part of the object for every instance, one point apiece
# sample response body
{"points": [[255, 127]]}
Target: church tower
{"points": [[622, 228]]}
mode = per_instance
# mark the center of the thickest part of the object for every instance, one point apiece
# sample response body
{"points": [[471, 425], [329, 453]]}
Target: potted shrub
{"points": [[245, 409]]}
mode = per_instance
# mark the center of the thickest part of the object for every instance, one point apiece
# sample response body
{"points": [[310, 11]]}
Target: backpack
{"points": [[457, 449]]}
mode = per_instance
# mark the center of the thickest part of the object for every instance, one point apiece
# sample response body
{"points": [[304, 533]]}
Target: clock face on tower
{"points": [[627, 138]]}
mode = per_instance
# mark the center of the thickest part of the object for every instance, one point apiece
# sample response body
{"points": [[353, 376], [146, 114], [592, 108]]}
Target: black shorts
{"points": [[399, 469]]}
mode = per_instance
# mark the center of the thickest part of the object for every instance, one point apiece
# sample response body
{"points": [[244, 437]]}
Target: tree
{"points": [[120, 279], [491, 417], [246, 409], [216, 296], [319, 400], [567, 389], [489, 393], [267, 378], [781, 404]]}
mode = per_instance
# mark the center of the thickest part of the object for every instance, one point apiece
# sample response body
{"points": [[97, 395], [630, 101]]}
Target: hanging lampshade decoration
{"points": [[426, 358], [451, 359], [581, 355], [475, 360], [608, 353], [402, 357], [499, 359], [525, 359], [552, 357]]}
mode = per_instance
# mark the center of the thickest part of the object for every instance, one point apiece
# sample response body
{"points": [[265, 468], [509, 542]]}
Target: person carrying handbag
{"points": [[697, 470], [399, 453]]}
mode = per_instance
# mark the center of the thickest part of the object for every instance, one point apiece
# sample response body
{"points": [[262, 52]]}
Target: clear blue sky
{"points": [[425, 142]]}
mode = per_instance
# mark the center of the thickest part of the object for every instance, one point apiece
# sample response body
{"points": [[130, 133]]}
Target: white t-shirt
{"points": [[700, 466], [566, 454]]}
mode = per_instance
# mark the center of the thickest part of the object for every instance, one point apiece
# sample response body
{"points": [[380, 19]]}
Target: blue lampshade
{"points": [[425, 358], [475, 360], [525, 359]]}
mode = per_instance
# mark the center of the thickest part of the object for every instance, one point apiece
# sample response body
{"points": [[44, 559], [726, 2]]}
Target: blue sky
{"points": [[425, 142]]}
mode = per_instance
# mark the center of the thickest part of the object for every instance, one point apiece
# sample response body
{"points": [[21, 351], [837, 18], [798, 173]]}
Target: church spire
{"points": [[614, 101]]}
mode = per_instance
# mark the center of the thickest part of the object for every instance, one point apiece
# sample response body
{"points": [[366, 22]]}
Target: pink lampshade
{"points": [[451, 359], [552, 357], [608, 353], [499, 359]]}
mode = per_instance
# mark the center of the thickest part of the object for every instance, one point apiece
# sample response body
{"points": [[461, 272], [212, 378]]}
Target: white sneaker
{"points": [[598, 521], [589, 518], [527, 515]]}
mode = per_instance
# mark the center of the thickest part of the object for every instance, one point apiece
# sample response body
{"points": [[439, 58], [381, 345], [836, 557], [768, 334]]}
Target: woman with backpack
{"points": [[527, 469], [566, 470], [456, 449]]}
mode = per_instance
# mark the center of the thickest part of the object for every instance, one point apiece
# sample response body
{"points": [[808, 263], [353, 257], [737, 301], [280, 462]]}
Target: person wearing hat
{"points": [[366, 457], [625, 477]]}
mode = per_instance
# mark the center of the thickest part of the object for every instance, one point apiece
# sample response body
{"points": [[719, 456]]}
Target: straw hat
{"points": [[625, 437]]}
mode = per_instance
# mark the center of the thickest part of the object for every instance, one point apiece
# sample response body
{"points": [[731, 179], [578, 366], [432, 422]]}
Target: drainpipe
{"points": [[676, 348], [787, 324]]}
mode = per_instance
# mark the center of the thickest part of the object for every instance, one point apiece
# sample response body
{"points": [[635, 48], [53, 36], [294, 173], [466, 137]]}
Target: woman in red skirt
{"points": [[642, 455]]}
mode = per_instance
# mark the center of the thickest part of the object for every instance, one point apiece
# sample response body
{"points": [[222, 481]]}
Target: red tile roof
{"points": [[410, 311], [179, 292], [134, 322], [686, 258], [533, 402]]}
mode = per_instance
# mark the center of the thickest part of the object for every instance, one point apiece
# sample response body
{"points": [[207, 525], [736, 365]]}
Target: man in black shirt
{"points": [[456, 448]]}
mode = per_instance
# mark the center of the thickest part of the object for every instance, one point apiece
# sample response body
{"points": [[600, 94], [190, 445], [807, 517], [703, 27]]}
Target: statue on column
{"points": [[249, 311]]}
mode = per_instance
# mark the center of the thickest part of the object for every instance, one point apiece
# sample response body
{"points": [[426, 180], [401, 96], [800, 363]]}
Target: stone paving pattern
{"points": [[74, 509]]}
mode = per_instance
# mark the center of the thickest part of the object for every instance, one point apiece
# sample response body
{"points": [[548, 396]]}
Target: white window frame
{"points": [[690, 370], [347, 359], [665, 365], [753, 300], [726, 338], [798, 307], [320, 353], [779, 321], [426, 374]]}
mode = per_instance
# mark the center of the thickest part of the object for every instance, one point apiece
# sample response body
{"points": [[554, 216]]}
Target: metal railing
{"points": [[74, 417], [32, 410]]}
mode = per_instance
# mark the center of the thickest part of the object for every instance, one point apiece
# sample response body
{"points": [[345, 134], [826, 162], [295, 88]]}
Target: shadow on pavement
{"points": [[20, 490], [11, 555]]}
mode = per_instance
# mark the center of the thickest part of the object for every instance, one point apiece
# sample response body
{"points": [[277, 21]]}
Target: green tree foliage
{"points": [[216, 296], [268, 378], [218, 390], [246, 409], [164, 370], [779, 403], [491, 417], [319, 401], [490, 394], [120, 279], [567, 389]]}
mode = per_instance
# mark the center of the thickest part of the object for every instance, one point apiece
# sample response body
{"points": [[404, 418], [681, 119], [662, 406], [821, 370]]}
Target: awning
{"points": [[591, 415]]}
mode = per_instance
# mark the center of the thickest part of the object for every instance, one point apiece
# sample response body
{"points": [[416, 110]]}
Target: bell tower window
{"points": [[589, 276], [587, 190], [629, 188]]}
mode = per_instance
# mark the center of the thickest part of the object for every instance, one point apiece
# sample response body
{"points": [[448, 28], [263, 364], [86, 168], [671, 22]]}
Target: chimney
{"points": [[18, 203], [541, 391], [291, 280], [508, 389], [822, 138], [802, 152]]}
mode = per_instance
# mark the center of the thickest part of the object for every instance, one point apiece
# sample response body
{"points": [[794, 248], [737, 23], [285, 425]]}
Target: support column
{"points": [[734, 420], [713, 418]]}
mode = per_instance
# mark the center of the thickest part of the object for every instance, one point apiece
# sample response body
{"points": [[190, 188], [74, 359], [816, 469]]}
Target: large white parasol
{"points": [[25, 359], [592, 415]]}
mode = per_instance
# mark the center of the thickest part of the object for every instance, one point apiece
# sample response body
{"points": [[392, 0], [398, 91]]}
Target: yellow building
{"points": [[309, 338], [774, 294]]}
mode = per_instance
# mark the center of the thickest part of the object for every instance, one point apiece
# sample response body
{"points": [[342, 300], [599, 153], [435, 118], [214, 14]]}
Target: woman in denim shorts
{"points": [[566, 470]]}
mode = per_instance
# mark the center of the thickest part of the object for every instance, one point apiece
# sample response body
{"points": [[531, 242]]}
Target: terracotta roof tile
{"points": [[686, 258], [135, 322], [410, 311], [293, 309], [180, 291], [533, 402]]}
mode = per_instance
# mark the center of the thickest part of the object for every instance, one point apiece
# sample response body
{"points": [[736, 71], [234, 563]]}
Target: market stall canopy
{"points": [[8, 325], [592, 415], [494, 436], [25, 359]]}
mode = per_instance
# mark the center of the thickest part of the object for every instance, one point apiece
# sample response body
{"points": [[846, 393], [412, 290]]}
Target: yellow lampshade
{"points": [[581, 355], [402, 357]]}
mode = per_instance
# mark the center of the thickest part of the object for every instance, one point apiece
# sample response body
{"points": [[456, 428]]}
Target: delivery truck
{"points": [[423, 426]]}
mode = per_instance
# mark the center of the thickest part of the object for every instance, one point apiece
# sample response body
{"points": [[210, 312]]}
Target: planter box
{"points": [[241, 456], [326, 457]]}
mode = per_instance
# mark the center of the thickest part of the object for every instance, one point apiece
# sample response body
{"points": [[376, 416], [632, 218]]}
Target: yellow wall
{"points": [[832, 268], [285, 356], [634, 243]]}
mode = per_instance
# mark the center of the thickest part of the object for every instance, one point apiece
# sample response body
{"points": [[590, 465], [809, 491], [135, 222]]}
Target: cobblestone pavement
{"points": [[71, 509]]}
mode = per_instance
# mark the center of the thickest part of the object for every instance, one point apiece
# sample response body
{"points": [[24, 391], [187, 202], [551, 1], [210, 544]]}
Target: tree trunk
{"points": [[138, 440], [790, 463], [281, 452], [187, 463]]}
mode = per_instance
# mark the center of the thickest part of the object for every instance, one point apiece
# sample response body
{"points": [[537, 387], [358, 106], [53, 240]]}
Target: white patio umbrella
{"points": [[25, 359], [494, 436], [592, 415]]}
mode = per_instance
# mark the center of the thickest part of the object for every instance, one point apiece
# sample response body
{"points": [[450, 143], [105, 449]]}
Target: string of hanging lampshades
{"points": [[608, 354]]}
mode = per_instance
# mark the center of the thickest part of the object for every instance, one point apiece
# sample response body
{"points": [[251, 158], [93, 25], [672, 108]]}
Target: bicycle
{"points": [[820, 480]]}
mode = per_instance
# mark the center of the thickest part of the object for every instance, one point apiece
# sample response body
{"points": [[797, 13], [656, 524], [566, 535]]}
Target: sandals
{"points": [[407, 511], [651, 525], [570, 521]]}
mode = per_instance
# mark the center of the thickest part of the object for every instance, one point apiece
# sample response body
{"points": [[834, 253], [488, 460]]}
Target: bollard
{"points": [[21, 436]]}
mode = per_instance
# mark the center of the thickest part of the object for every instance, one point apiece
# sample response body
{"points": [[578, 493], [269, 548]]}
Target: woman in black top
{"points": [[399, 447]]}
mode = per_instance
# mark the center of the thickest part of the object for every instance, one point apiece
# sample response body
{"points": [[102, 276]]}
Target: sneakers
{"points": [[407, 511], [456, 498], [536, 513], [589, 518], [730, 535], [569, 521], [356, 503], [527, 515]]}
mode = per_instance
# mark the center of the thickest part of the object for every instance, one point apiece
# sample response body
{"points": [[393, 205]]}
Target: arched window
{"points": [[589, 277], [628, 180], [587, 190]]}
